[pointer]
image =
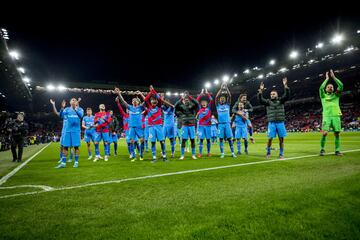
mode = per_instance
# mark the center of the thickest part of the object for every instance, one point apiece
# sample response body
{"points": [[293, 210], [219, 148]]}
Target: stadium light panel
{"points": [[168, 93], [61, 88], [319, 45], [261, 76], [21, 69], [207, 85], [50, 87], [272, 62], [247, 71], [337, 39], [294, 54], [14, 54], [225, 78], [216, 81], [26, 79]]}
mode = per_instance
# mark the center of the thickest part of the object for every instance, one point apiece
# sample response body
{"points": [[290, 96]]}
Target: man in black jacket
{"points": [[18, 130], [275, 113]]}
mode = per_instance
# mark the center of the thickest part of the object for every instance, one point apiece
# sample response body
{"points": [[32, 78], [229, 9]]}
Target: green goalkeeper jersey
{"points": [[331, 101]]}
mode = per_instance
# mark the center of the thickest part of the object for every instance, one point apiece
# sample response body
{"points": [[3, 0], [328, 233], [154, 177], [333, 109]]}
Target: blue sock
{"points": [[71, 154], [61, 154], [182, 151], [89, 153], [231, 145], [163, 148], [63, 160], [221, 146], [76, 158], [142, 146], [133, 146], [238, 142], [246, 143], [153, 149], [281, 151], [201, 145], [251, 131], [115, 148], [208, 145], [129, 148], [172, 143], [107, 149], [146, 145], [268, 150], [193, 150], [97, 152]]}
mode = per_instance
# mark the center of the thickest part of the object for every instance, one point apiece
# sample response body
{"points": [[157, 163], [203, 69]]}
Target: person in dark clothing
{"points": [[275, 113], [18, 130]]}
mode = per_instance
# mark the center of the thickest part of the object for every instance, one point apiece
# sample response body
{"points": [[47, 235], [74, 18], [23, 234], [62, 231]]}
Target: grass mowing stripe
{"points": [[50, 189], [13, 172]]}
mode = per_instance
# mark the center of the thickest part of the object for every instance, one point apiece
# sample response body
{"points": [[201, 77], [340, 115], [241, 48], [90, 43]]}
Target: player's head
{"points": [[241, 106], [88, 111], [111, 112], [102, 107], [243, 98], [204, 101], [73, 102], [222, 99], [153, 100], [135, 102], [212, 116], [273, 94], [185, 97], [20, 116], [329, 88]]}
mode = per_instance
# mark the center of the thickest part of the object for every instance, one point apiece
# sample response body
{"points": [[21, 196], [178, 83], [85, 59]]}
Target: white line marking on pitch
{"points": [[45, 188], [13, 172], [167, 174]]}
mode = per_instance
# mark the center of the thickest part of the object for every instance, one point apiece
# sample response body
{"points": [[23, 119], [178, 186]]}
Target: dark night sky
{"points": [[165, 51]]}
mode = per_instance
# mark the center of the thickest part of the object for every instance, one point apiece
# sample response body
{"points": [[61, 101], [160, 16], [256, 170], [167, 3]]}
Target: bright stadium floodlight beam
{"points": [[61, 88], [50, 87], [168, 93], [272, 62], [225, 78], [21, 69], [294, 54], [247, 71], [349, 49], [337, 39], [319, 45], [235, 75], [207, 85], [358, 31], [216, 81], [14, 54], [283, 69], [261, 76], [26, 79], [176, 94]]}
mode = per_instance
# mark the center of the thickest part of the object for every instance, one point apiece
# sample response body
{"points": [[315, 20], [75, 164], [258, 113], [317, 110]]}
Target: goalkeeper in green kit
{"points": [[331, 111]]}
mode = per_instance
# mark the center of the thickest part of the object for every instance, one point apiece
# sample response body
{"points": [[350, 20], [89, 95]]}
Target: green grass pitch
{"points": [[305, 197]]}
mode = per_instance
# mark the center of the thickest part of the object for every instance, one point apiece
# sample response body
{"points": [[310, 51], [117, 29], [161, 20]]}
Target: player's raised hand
{"points": [[139, 93], [285, 81], [117, 99], [79, 100], [262, 86], [327, 76], [63, 104], [117, 90], [52, 102], [332, 75], [151, 88]]}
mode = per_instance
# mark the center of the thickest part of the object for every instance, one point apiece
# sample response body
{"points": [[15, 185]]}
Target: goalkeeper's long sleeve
{"points": [[322, 88]]}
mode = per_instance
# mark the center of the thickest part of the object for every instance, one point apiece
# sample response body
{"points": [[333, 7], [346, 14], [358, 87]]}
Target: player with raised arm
{"points": [[204, 117], [169, 127]]}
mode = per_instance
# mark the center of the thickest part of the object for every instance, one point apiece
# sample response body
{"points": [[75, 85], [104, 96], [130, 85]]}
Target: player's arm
{"points": [[249, 107], [79, 111], [323, 85], [340, 85], [122, 100], [54, 107], [228, 94], [286, 94], [218, 96], [235, 107], [178, 112], [121, 110], [242, 115], [261, 99], [83, 124]]}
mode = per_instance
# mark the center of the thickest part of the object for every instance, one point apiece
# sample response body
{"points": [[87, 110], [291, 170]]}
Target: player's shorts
{"points": [[89, 135], [169, 131], [135, 133], [214, 131], [331, 122], [276, 128], [188, 132], [224, 130], [178, 132], [156, 133], [204, 132], [241, 132], [71, 139], [104, 136], [146, 133]]}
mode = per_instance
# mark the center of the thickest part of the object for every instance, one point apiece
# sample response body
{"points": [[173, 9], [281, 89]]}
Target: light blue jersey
{"points": [[135, 117], [73, 118], [88, 121], [223, 111], [169, 115]]}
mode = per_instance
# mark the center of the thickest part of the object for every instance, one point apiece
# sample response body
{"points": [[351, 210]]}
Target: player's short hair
{"points": [[242, 95], [89, 108], [204, 98], [273, 91]]}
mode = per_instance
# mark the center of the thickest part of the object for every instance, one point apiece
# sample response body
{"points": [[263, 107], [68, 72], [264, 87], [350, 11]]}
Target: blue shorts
{"points": [[204, 132], [135, 133], [214, 131], [70, 139], [224, 130], [146, 133], [188, 132], [156, 133], [241, 132], [177, 132], [89, 135], [169, 131], [102, 136], [114, 138], [276, 128]]}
